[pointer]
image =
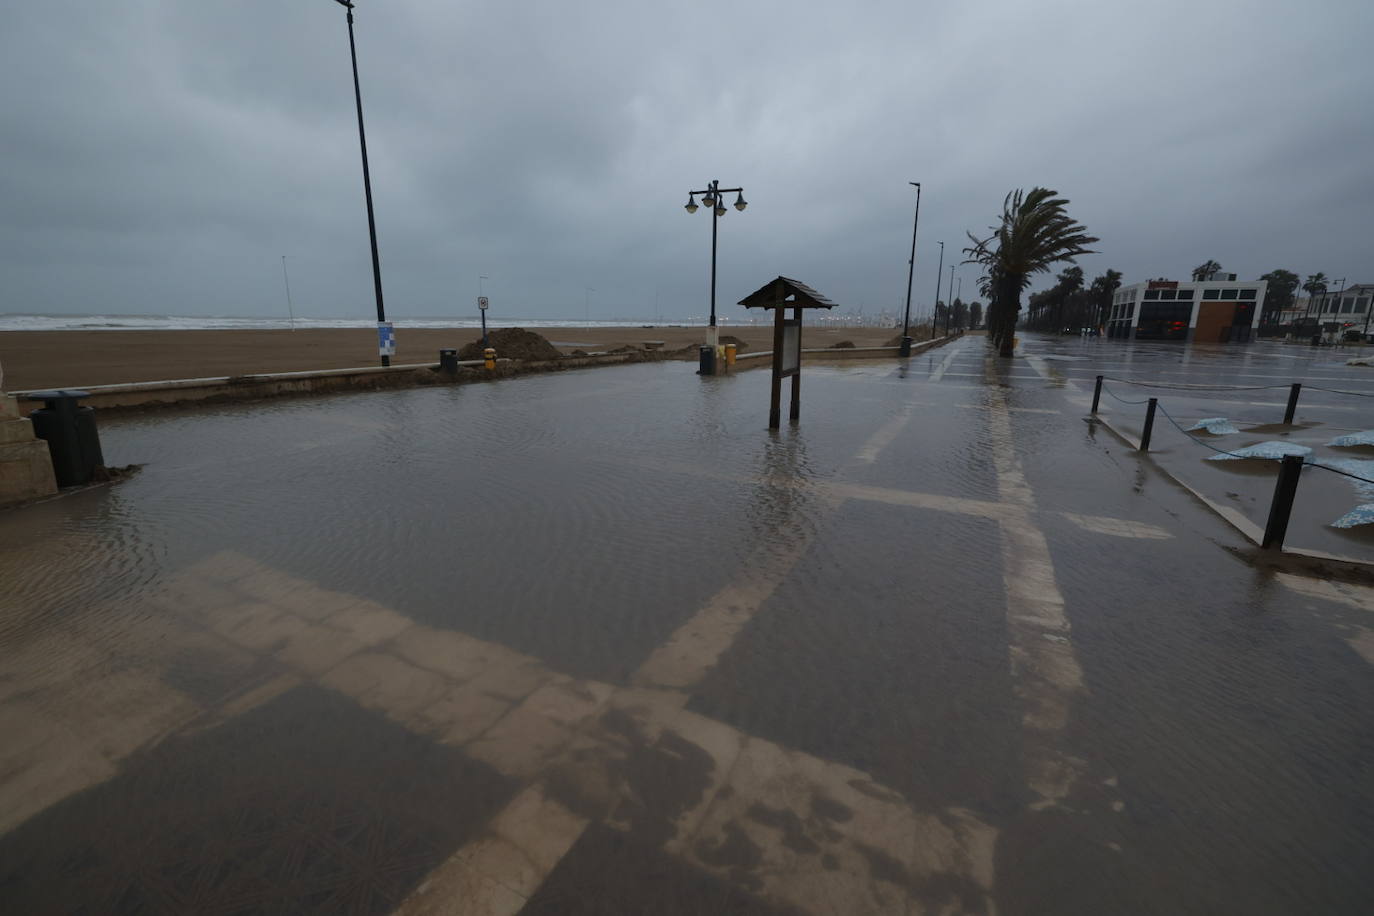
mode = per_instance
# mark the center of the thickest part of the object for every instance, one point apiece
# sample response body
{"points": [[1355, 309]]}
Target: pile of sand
{"points": [[847, 345], [513, 343], [740, 346]]}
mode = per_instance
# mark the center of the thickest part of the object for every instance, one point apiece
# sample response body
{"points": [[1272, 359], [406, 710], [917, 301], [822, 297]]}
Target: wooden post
{"points": [[775, 406], [795, 412]]}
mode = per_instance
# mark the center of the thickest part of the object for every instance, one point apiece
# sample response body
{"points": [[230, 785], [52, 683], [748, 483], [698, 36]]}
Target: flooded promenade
{"points": [[599, 643]]}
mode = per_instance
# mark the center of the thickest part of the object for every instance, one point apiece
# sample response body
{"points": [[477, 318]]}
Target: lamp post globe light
{"points": [[386, 342], [711, 197]]}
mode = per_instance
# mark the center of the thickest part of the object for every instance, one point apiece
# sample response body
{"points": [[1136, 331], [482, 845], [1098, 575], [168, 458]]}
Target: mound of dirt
{"points": [[513, 343], [740, 346], [844, 345]]}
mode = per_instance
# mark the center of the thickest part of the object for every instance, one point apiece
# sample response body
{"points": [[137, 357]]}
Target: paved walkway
{"points": [[599, 643]]}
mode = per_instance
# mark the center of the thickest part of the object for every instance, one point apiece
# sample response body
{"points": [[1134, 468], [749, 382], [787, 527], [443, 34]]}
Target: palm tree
{"points": [[1103, 288], [1315, 286], [1035, 233], [1206, 270]]}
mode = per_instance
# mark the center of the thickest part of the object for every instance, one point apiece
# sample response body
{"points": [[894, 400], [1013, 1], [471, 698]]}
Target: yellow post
{"points": [[730, 354], [489, 354]]}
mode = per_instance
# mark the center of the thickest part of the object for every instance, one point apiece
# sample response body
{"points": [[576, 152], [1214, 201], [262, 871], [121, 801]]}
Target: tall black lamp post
{"points": [[711, 198], [910, 270], [386, 343], [935, 314], [949, 300]]}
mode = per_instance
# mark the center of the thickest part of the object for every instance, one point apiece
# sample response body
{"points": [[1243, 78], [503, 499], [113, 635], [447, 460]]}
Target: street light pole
{"points": [[910, 271], [935, 313], [711, 198], [291, 313], [383, 338], [949, 300]]}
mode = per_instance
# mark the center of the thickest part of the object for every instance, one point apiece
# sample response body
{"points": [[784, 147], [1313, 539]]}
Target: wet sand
{"points": [[71, 359]]}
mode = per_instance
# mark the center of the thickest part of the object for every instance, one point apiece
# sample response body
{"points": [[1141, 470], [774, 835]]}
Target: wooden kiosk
{"points": [[780, 295]]}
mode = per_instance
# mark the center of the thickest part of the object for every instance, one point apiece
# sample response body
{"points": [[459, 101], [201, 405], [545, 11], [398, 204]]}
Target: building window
{"points": [[1347, 304], [1185, 294], [1151, 294], [1248, 293], [1167, 293], [1164, 322], [1230, 293], [1211, 294], [1361, 305]]}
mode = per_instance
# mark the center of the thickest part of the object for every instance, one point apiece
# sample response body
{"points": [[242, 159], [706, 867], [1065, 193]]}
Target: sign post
{"points": [[780, 295], [482, 304]]}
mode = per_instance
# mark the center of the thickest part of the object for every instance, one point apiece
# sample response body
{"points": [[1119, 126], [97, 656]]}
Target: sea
{"points": [[22, 322]]}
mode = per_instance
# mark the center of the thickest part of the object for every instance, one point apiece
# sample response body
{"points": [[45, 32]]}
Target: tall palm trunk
{"points": [[1008, 307]]}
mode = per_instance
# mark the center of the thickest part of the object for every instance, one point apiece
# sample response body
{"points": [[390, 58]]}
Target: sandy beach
{"points": [[74, 359]]}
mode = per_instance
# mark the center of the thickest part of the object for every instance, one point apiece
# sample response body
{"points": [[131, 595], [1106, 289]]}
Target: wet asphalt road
{"points": [[597, 642]]}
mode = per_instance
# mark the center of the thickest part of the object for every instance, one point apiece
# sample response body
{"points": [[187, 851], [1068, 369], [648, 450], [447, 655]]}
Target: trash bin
{"points": [[69, 430], [906, 347], [448, 361], [707, 363]]}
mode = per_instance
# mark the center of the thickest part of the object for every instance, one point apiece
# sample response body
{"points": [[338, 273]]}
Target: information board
{"points": [[790, 364]]}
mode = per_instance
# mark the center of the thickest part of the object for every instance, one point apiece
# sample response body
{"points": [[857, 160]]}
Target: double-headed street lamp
{"points": [[711, 198], [910, 270], [386, 343]]}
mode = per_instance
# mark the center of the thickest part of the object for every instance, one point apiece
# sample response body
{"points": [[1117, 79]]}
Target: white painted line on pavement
{"points": [[940, 370], [885, 435], [1360, 597], [1045, 671], [1116, 527]]}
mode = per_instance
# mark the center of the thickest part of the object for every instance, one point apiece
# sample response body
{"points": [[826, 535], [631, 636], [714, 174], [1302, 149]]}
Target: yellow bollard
{"points": [[489, 354], [730, 354]]}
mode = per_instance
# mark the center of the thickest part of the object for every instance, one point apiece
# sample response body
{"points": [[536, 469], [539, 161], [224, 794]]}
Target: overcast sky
{"points": [[160, 156]]}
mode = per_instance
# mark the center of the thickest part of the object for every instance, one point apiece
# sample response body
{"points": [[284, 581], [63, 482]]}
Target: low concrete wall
{"points": [[138, 395], [837, 354]]}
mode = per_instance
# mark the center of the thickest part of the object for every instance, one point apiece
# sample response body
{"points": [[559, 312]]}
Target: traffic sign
{"points": [[482, 303]]}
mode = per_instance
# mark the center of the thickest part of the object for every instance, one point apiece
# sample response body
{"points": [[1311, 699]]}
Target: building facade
{"points": [[1208, 311], [1332, 313]]}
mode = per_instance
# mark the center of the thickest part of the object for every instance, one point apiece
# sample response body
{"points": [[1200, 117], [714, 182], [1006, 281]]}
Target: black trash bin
{"points": [[448, 361], [707, 364], [69, 430]]}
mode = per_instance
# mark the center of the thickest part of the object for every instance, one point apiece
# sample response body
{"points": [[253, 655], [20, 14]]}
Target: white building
{"points": [[1332, 313], [1209, 311]]}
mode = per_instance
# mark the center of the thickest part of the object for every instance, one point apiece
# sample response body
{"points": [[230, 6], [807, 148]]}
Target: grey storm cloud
{"points": [[160, 156]]}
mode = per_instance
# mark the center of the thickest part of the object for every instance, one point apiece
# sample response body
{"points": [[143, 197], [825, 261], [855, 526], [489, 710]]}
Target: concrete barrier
{"points": [[840, 354], [139, 395]]}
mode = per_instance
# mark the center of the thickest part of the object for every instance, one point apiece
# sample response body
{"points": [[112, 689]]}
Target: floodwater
{"points": [[598, 642]]}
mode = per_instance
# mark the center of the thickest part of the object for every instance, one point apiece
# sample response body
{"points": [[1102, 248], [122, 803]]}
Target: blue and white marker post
{"points": [[386, 341]]}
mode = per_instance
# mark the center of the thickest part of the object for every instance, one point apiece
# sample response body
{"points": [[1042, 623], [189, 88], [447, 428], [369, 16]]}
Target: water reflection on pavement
{"points": [[600, 643]]}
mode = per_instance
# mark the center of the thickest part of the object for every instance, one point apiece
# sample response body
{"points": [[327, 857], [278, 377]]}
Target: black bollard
{"points": [[448, 361], [1282, 507], [1292, 403], [1097, 394], [1149, 425]]}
